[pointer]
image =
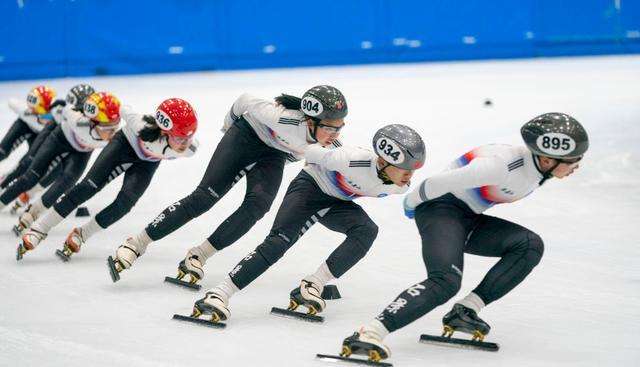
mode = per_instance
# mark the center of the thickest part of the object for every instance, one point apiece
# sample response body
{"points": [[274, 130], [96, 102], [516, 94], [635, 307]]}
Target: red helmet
{"points": [[103, 108], [177, 118], [40, 98]]}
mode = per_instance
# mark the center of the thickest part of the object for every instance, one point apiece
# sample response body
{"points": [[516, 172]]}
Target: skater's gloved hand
{"points": [[56, 103], [409, 211]]}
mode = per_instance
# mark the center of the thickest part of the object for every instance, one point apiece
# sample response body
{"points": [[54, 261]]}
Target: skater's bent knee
{"points": [[364, 234], [535, 248], [447, 284], [273, 247], [199, 201]]}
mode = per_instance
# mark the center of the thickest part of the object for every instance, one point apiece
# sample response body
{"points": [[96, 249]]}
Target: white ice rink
{"points": [[579, 307]]}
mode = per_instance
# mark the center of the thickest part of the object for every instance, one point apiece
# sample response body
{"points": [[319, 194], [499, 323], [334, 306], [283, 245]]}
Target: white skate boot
{"points": [[365, 342], [30, 240], [214, 304], [309, 294], [191, 265], [72, 244], [21, 202], [26, 219], [126, 255]]}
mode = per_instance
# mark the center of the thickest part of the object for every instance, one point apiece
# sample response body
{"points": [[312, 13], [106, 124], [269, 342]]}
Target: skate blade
{"points": [[203, 322], [365, 362], [296, 315], [20, 251], [115, 275], [16, 230], [458, 343], [63, 256], [182, 283]]}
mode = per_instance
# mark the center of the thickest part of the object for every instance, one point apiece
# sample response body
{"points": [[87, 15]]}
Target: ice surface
{"points": [[579, 307]]}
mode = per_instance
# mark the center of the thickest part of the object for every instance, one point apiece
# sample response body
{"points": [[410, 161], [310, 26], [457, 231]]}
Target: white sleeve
{"points": [[259, 110], [133, 119], [17, 106], [480, 172], [332, 159], [72, 116]]}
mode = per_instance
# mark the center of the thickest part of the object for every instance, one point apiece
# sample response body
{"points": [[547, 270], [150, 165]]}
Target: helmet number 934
{"points": [[556, 144], [389, 151]]}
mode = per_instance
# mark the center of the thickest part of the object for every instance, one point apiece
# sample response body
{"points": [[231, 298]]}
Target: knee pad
{"points": [[447, 284], [125, 201], [198, 202], [364, 235], [256, 205], [535, 249], [273, 247]]}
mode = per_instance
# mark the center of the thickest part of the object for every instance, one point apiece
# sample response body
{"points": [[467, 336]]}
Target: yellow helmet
{"points": [[40, 99], [103, 108]]}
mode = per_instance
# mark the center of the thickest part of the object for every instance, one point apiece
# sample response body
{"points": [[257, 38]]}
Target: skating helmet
{"points": [[400, 146], [324, 102], [555, 135], [78, 95], [40, 98], [177, 118], [103, 108]]}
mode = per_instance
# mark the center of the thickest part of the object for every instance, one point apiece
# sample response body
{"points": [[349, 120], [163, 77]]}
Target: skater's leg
{"points": [[519, 248]]}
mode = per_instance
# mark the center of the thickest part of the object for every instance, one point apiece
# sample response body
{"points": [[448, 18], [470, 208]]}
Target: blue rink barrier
{"points": [[58, 38]]}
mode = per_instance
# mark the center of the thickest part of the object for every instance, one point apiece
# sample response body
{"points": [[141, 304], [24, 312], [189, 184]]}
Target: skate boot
{"points": [[71, 245], [30, 240], [26, 220], [367, 343], [212, 304], [308, 295], [464, 319], [21, 202], [192, 266], [126, 255]]}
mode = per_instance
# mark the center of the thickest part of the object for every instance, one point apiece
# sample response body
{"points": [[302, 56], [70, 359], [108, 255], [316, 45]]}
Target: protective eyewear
{"points": [[569, 160], [178, 140], [107, 128], [330, 129]]}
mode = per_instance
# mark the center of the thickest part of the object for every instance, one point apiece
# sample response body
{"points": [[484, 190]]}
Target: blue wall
{"points": [[56, 38]]}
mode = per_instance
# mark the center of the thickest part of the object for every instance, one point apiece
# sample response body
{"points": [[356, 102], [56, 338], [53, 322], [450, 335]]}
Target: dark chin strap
{"points": [[545, 174], [383, 175], [315, 129]]}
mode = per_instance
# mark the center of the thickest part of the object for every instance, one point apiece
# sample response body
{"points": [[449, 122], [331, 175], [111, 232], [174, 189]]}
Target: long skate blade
{"points": [[19, 254], [115, 276], [182, 283], [365, 362], [194, 320], [62, 255], [296, 315], [16, 231], [459, 343]]}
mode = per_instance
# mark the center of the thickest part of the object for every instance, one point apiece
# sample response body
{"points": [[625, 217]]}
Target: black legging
{"points": [[239, 153], [17, 134], [26, 160], [449, 229], [54, 149], [117, 157], [303, 205]]}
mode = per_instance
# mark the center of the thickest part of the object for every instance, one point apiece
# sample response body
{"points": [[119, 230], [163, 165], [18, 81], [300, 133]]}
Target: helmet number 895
{"points": [[556, 143]]}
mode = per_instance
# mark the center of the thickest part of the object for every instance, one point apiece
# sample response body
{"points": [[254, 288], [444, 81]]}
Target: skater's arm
{"points": [[332, 159], [479, 172], [258, 109]]}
